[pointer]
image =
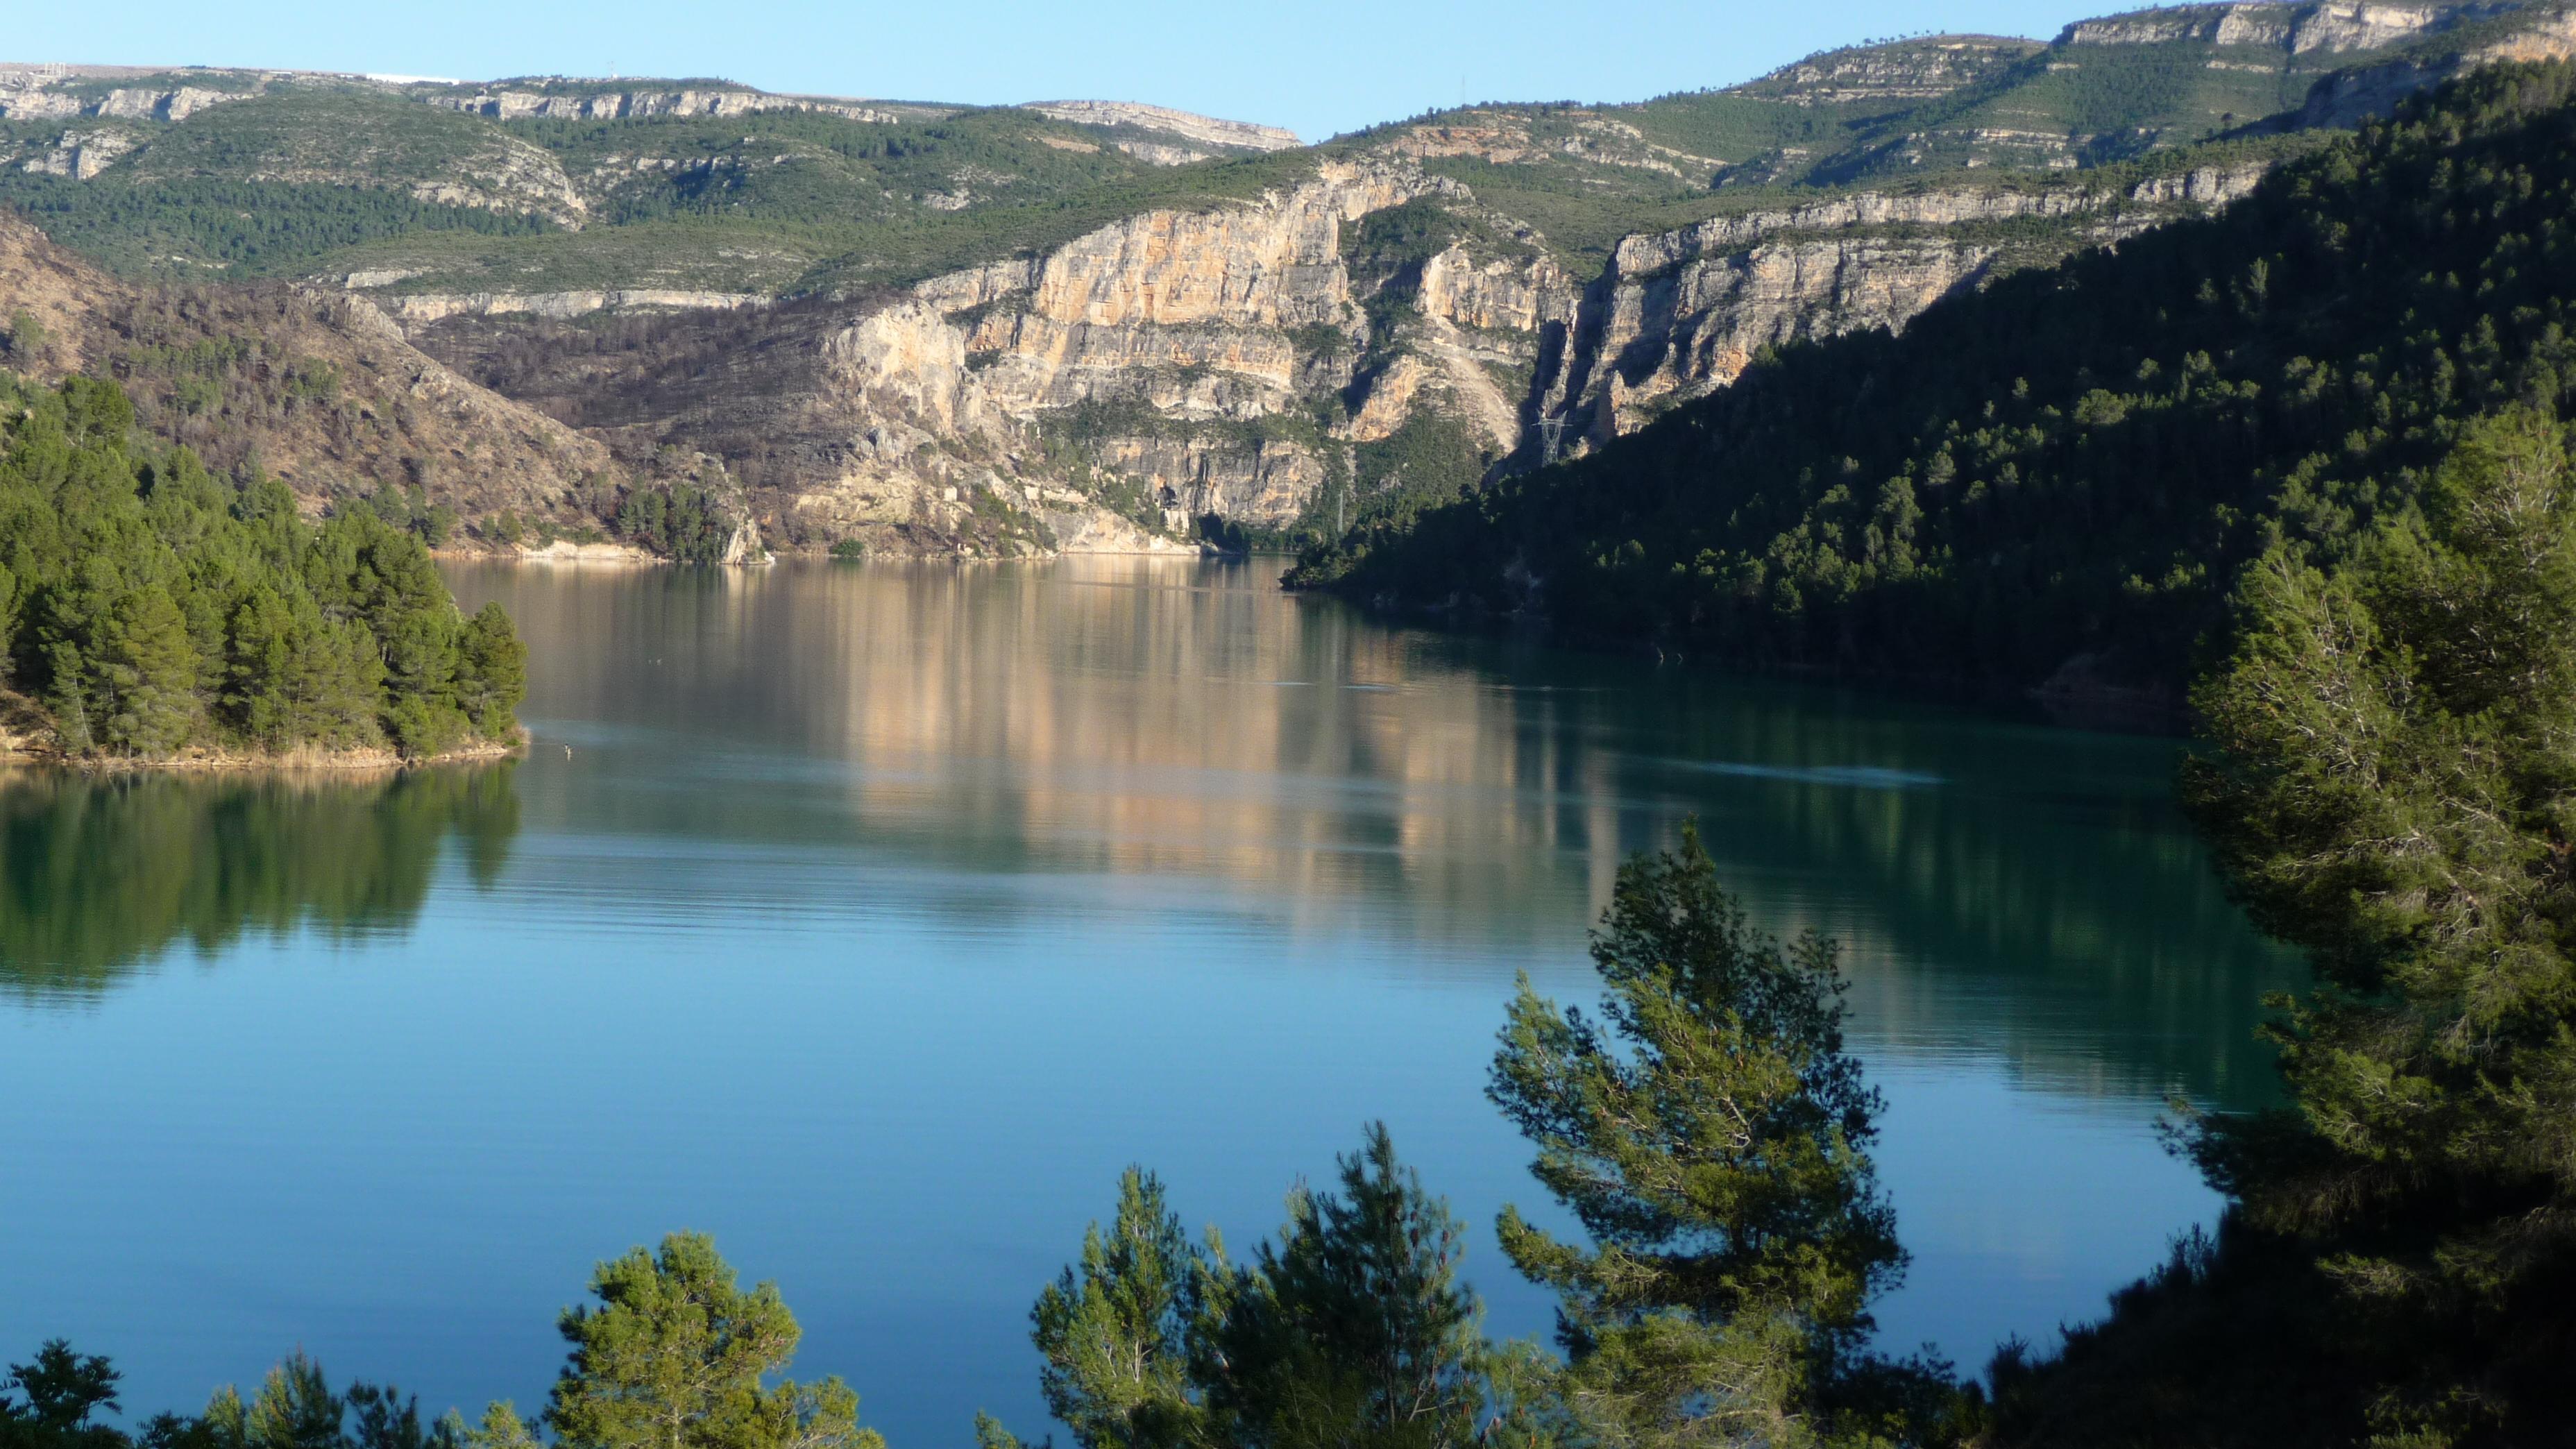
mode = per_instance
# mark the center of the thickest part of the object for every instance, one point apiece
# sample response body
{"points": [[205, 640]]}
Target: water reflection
{"points": [[871, 917], [2006, 889], [100, 874]]}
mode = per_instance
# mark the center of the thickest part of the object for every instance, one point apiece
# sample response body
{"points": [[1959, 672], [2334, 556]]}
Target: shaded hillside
{"points": [[2057, 477], [316, 387]]}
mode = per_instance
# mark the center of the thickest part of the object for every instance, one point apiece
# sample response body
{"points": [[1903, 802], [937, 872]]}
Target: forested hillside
{"points": [[150, 608], [867, 326], [2059, 476]]}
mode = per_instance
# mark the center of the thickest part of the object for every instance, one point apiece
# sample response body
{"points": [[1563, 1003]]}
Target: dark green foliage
{"points": [[55, 1396], [381, 1417], [1401, 237], [185, 227], [674, 1357], [2394, 791], [1115, 1331], [779, 202], [2228, 1343], [294, 1408], [265, 185], [153, 607], [677, 521], [408, 508], [1428, 462], [2069, 465], [1710, 1134], [24, 342], [1351, 1330], [100, 873]]}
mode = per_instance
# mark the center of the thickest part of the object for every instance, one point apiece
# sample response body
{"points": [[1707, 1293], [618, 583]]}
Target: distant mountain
{"points": [[2052, 484], [929, 328]]}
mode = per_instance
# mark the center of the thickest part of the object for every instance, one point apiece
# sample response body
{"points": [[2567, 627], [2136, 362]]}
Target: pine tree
{"points": [[148, 605], [294, 1409], [2393, 789], [1709, 1132], [492, 673], [1354, 1329], [61, 1391], [1114, 1330], [674, 1355], [145, 675]]}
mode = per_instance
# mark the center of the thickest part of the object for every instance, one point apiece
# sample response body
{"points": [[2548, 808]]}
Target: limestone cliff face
{"points": [[1674, 333], [1169, 319], [1495, 295], [1678, 314], [1923, 71], [2347, 98], [1173, 364], [1206, 130], [424, 308], [513, 105], [81, 154], [2322, 29], [2331, 26], [1188, 312], [505, 175], [27, 94], [1229, 360], [1254, 481]]}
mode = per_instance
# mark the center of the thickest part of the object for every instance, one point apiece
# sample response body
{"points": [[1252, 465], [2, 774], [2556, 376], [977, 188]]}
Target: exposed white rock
{"points": [[2330, 26], [421, 309], [1153, 152], [1206, 130], [512, 105], [81, 155]]}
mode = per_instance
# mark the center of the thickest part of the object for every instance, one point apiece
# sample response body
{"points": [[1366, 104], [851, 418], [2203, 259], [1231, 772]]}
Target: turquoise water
{"points": [[872, 917]]}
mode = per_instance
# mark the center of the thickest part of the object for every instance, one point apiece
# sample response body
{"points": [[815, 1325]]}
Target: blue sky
{"points": [[1318, 66]]}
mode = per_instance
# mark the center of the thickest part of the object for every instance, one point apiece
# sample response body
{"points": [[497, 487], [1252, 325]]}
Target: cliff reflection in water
{"points": [[1183, 727], [101, 874]]}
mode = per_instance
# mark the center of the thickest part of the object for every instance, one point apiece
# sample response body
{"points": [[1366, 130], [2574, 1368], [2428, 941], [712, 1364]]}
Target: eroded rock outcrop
{"points": [[1680, 313], [423, 308], [513, 105], [1187, 311], [1206, 130], [37, 93]]}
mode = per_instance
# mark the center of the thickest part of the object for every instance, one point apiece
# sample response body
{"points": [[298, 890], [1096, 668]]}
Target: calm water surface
{"points": [[878, 915]]}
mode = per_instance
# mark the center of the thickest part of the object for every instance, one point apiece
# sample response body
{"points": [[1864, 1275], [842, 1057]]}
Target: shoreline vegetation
{"points": [[2351, 488], [2052, 484], [156, 615], [2390, 788], [351, 760]]}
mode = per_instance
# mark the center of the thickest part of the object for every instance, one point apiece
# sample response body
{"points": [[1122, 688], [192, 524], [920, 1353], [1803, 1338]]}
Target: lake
{"points": [[872, 917]]}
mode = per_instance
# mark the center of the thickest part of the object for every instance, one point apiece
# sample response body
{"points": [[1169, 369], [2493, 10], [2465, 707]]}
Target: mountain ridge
{"points": [[1020, 329]]}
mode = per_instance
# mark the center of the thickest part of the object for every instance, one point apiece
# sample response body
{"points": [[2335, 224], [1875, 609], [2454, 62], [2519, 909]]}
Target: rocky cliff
{"points": [[1677, 314], [1239, 361], [1220, 135], [2333, 26], [1110, 325], [1174, 364]]}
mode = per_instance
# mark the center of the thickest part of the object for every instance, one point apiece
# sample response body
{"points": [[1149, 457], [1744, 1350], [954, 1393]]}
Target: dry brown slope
{"points": [[318, 387]]}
